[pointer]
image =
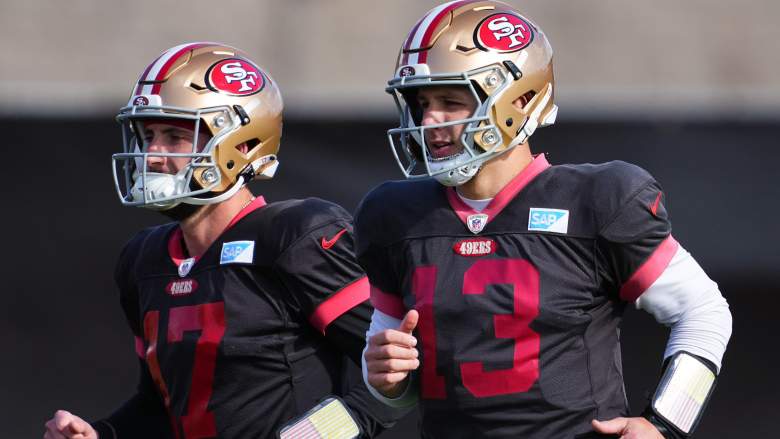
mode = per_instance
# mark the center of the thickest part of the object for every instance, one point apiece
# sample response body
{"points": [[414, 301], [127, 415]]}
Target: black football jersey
{"points": [[250, 334], [519, 304]]}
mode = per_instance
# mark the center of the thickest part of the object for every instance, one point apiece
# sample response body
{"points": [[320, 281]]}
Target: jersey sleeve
{"points": [[320, 272], [636, 239], [347, 333], [143, 414], [374, 239], [688, 301], [125, 279]]}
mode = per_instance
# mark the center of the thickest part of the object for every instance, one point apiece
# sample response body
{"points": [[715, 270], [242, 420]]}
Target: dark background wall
{"points": [[66, 345]]}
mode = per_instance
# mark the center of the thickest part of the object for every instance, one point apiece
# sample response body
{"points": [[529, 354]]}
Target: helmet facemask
{"points": [[480, 139], [138, 186]]}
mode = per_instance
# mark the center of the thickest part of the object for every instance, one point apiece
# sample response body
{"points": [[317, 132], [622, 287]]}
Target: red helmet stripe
{"points": [[409, 39], [426, 38], [140, 86], [168, 59], [421, 34]]}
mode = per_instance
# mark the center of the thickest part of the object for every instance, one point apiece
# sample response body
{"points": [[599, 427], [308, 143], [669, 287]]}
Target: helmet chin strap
{"points": [[263, 168], [219, 198]]}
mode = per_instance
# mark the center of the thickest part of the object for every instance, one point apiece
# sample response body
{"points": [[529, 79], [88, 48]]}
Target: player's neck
{"points": [[203, 228], [497, 173]]}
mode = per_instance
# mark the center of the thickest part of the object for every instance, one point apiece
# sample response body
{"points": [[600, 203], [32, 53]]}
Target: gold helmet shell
{"points": [[500, 55], [223, 94]]}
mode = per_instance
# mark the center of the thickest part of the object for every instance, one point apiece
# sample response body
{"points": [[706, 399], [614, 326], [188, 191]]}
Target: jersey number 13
{"points": [[524, 280]]}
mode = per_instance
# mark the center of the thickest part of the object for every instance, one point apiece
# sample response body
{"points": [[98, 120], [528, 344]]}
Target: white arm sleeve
{"points": [[686, 299], [380, 322]]}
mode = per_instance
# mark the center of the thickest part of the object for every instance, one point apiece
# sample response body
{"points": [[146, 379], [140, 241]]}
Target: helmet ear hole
{"points": [[521, 102], [247, 146], [251, 143]]}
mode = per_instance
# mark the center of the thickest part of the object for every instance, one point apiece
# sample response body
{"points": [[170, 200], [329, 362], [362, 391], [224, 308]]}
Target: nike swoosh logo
{"points": [[328, 243], [654, 206]]}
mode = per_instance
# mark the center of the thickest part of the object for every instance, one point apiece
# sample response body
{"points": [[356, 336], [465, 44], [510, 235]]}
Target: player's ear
{"points": [[242, 147]]}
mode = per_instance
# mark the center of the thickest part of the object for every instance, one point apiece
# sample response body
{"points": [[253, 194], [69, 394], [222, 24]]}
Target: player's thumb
{"points": [[409, 322], [77, 426], [612, 426]]}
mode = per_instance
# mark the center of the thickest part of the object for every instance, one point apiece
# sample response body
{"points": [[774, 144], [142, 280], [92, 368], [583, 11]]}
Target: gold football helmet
{"points": [[505, 61], [216, 91]]}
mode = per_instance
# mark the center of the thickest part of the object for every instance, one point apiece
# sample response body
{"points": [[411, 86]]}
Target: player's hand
{"points": [[628, 428], [391, 355], [65, 425]]}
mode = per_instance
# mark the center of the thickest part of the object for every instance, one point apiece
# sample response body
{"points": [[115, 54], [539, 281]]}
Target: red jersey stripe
{"points": [[650, 270], [504, 196], [175, 247], [340, 302], [139, 348], [387, 303], [257, 203]]}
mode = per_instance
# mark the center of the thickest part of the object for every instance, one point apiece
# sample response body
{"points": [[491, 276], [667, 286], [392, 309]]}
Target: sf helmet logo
{"points": [[504, 33], [141, 100], [234, 71], [237, 77], [407, 71]]}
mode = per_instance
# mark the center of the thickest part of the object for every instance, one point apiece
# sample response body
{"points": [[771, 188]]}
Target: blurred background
{"points": [[688, 90]]}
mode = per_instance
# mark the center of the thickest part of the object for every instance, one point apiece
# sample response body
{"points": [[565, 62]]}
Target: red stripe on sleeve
{"points": [[387, 303], [650, 270], [139, 348], [340, 302]]}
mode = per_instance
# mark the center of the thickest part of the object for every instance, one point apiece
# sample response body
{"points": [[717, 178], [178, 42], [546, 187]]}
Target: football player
{"points": [[242, 310], [498, 279]]}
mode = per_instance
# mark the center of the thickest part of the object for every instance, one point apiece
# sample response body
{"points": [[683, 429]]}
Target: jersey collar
{"points": [[176, 241], [503, 197]]}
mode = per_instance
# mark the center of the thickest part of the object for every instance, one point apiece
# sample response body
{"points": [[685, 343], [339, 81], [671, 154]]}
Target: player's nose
{"points": [[154, 161], [432, 116]]}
